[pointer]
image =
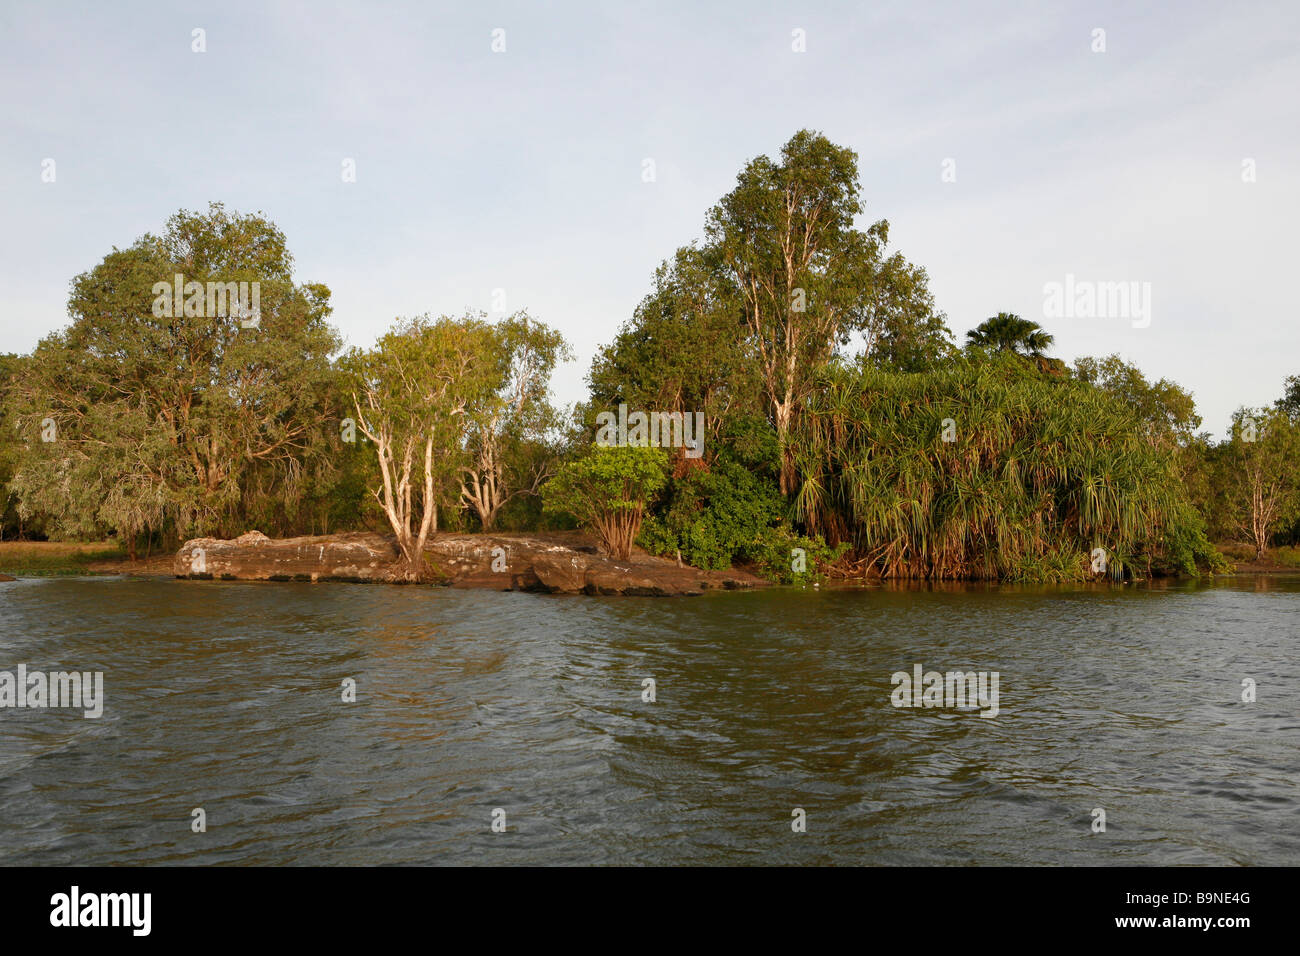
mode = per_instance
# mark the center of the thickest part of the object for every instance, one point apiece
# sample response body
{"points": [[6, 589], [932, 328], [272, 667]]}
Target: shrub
{"points": [[607, 490], [712, 516], [774, 557]]}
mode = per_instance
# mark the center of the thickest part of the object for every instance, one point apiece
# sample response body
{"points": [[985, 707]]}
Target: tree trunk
{"points": [[787, 475]]}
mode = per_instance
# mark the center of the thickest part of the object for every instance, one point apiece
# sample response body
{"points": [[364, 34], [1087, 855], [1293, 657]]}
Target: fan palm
{"points": [[1006, 332]]}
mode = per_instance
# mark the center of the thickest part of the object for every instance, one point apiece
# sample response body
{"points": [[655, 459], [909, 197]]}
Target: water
{"points": [[227, 696]]}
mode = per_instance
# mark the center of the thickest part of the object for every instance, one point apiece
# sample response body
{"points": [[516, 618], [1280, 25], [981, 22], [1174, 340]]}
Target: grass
{"points": [[1239, 552], [42, 558]]}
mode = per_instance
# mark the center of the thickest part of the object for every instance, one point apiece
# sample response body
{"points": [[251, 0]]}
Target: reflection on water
{"points": [[227, 696]]}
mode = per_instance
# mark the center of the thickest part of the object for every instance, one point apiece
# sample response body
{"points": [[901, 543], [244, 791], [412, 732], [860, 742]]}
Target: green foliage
{"points": [[1166, 407], [1185, 546], [773, 554], [1006, 332], [682, 350], [608, 490], [412, 395], [614, 479], [821, 366], [713, 516], [1040, 473], [1290, 400], [170, 413], [10, 448], [1263, 494], [750, 440], [512, 428], [807, 280], [730, 516]]}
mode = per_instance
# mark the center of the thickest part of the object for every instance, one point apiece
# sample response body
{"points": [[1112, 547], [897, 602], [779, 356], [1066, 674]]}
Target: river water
{"points": [[527, 710]]}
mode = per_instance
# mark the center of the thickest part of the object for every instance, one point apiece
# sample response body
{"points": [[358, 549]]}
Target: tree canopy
{"points": [[134, 415]]}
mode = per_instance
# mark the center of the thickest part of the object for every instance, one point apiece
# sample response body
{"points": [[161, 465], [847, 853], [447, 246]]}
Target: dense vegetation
{"points": [[818, 416], [1034, 474]]}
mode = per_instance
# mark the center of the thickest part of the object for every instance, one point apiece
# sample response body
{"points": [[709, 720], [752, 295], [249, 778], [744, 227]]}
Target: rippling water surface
{"points": [[227, 696]]}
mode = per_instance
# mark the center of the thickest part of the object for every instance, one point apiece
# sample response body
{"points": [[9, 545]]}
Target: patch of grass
{"points": [[42, 558], [1287, 556], [1241, 552], [1237, 551]]}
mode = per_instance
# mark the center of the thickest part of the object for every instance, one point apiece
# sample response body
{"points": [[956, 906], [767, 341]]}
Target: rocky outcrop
{"points": [[561, 564], [255, 557]]}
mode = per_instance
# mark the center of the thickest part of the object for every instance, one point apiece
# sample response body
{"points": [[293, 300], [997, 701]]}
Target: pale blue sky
{"points": [[522, 170]]}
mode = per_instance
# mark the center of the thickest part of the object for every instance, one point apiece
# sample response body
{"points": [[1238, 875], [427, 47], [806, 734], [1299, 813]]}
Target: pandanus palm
{"points": [[1037, 474]]}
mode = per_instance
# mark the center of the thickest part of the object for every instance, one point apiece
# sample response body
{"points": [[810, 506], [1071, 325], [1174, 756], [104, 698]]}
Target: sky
{"points": [[1010, 145]]}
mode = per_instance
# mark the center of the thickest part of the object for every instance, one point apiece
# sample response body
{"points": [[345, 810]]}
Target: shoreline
{"points": [[466, 560], [554, 562]]}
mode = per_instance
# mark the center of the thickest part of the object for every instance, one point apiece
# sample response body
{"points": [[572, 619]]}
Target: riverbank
{"points": [[569, 562], [558, 563], [1278, 560], [49, 558]]}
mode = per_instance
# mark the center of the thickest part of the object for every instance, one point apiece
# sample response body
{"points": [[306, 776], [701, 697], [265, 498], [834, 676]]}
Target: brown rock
{"points": [[610, 578], [565, 573], [344, 557], [559, 563]]}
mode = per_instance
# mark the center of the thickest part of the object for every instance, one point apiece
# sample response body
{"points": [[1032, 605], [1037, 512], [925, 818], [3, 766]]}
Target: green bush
{"points": [[773, 554], [608, 490], [712, 516]]}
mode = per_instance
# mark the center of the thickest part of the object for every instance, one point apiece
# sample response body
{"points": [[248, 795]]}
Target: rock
{"points": [[255, 557], [6, 577], [612, 579], [556, 564], [561, 572]]}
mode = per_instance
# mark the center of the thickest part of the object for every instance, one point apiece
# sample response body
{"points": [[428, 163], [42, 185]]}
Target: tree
{"points": [[165, 405], [712, 517], [1006, 332], [1168, 409], [1209, 475], [10, 520], [508, 427], [905, 331], [608, 490], [804, 277], [681, 351], [1290, 401], [1289, 404], [410, 394], [1265, 495]]}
